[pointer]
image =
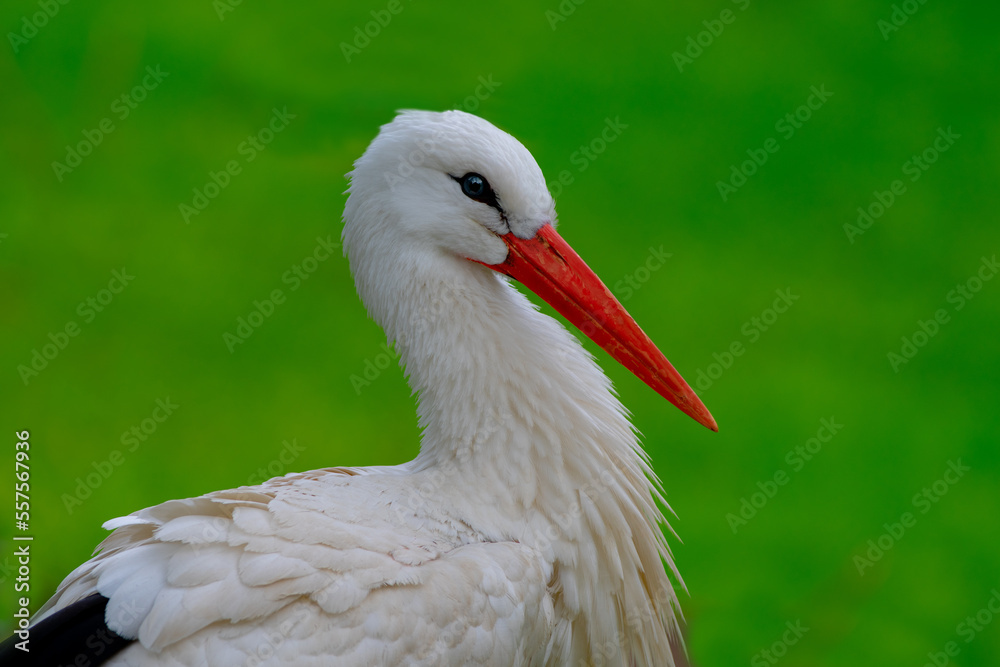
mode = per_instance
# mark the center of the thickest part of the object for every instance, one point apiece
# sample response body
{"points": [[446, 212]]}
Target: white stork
{"points": [[528, 530]]}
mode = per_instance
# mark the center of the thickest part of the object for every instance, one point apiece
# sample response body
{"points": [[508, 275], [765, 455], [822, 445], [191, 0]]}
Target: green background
{"points": [[655, 185]]}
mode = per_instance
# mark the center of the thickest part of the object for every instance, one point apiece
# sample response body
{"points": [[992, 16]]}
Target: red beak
{"points": [[550, 268]]}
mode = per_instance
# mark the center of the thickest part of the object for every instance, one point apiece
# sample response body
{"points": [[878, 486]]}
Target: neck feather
{"points": [[511, 400]]}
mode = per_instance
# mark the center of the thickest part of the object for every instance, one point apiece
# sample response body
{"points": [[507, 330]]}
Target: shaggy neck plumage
{"points": [[499, 384], [511, 401]]}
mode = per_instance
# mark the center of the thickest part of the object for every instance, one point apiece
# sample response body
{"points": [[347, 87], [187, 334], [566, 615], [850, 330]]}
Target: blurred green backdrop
{"points": [[696, 92]]}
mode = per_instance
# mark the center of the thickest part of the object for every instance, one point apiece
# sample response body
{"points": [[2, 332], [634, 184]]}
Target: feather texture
{"points": [[526, 532]]}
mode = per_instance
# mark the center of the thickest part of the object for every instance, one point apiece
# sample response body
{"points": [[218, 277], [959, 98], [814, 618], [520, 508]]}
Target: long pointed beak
{"points": [[550, 268]]}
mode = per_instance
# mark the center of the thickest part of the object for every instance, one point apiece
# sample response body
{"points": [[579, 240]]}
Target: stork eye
{"points": [[474, 186]]}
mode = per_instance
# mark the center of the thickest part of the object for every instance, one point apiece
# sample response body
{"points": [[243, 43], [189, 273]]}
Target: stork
{"points": [[527, 531]]}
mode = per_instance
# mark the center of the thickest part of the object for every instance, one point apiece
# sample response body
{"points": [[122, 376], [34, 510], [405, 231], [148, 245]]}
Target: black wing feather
{"points": [[75, 635]]}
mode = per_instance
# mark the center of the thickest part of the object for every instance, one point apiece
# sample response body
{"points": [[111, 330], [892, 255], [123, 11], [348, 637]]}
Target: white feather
{"points": [[527, 530]]}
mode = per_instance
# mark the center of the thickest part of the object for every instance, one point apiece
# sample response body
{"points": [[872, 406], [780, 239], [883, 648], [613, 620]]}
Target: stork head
{"points": [[452, 184], [454, 181]]}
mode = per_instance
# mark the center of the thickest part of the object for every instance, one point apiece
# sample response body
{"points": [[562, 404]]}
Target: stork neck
{"points": [[524, 440], [502, 388]]}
